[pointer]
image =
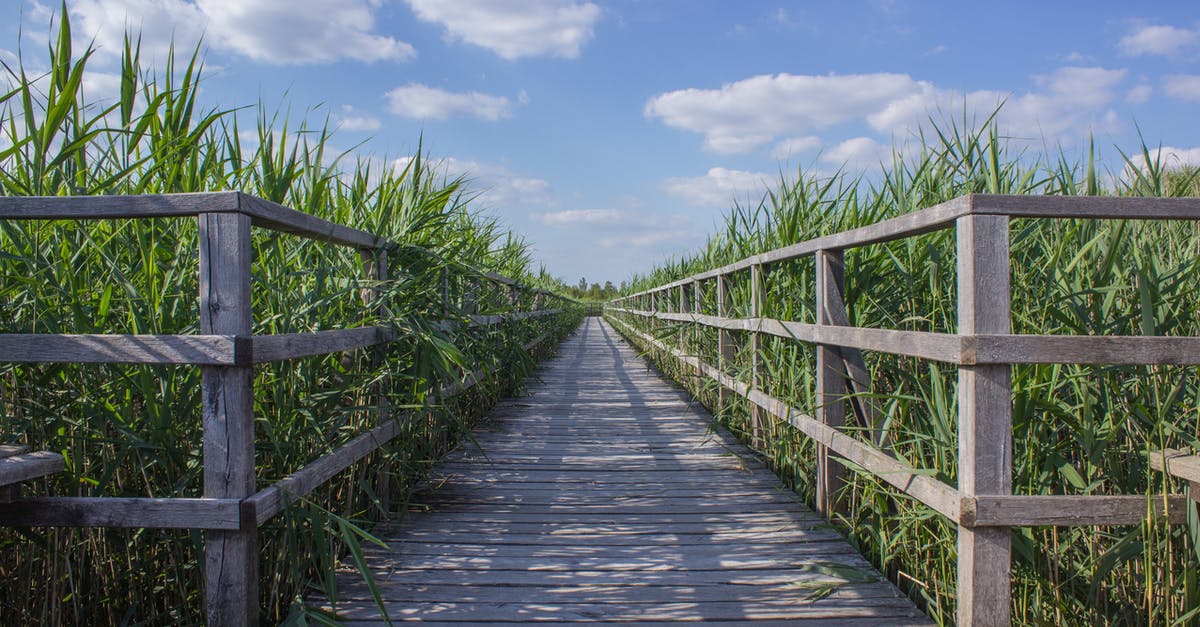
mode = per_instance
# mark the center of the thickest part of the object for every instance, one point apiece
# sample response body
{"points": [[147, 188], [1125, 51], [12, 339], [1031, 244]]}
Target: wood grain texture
{"points": [[1070, 511], [984, 421], [26, 466], [227, 414], [152, 513], [606, 495], [202, 350], [1176, 463], [297, 345], [831, 377]]}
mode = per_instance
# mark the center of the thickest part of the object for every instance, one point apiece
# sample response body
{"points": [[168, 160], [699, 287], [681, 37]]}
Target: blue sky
{"points": [[613, 135]]}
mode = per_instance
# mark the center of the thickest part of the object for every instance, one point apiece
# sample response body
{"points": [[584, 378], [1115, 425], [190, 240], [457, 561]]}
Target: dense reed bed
{"points": [[1077, 429], [135, 430]]}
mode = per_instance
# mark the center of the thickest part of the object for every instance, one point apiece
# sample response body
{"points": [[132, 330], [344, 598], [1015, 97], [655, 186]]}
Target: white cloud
{"points": [[793, 146], [1139, 94], [1158, 40], [858, 154], [580, 217], [718, 187], [750, 113], [418, 101], [350, 119], [654, 239], [1170, 157], [1183, 86], [271, 31], [495, 185], [515, 28]]}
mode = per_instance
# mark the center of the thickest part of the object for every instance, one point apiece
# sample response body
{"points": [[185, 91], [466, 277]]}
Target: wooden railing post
{"points": [[726, 346], [756, 312], [227, 399], [831, 377], [685, 306], [375, 268], [984, 420]]}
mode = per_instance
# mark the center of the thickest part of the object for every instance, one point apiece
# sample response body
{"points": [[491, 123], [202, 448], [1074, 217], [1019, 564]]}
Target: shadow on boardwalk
{"points": [[604, 496]]}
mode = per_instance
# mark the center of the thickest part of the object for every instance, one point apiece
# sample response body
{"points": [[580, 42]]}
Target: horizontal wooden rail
{"points": [[226, 351], [1128, 350], [983, 347], [978, 511], [944, 216]]}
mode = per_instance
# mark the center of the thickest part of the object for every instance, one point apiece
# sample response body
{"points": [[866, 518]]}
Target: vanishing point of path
{"points": [[606, 496]]}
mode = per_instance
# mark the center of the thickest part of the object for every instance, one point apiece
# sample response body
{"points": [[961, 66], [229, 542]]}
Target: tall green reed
{"points": [[134, 430], [1077, 429]]}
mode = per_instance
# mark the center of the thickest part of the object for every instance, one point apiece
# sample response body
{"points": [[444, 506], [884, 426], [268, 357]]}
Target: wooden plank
{"points": [[26, 466], [726, 342], [1176, 463], [272, 500], [107, 207], [928, 490], [8, 450], [227, 414], [1070, 511], [277, 217], [757, 302], [943, 347], [663, 502], [205, 350], [984, 421], [1095, 207], [283, 346], [150, 513], [1081, 349]]}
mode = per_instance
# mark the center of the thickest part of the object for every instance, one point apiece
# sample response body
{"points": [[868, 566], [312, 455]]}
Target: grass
{"points": [[1076, 429], [135, 430]]}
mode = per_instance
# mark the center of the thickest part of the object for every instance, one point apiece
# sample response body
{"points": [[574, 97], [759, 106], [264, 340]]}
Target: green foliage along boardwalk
{"points": [[606, 495]]}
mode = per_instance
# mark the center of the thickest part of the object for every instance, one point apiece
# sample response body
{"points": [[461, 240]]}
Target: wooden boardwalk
{"points": [[605, 495]]}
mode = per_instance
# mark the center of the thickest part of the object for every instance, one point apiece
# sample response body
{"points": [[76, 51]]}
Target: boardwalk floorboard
{"points": [[607, 496]]}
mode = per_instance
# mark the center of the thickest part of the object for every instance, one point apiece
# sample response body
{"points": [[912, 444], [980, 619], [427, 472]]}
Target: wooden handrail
{"points": [[984, 349], [226, 350]]}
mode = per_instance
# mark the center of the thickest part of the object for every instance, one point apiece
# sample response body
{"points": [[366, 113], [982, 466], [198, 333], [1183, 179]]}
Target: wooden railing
{"points": [[983, 348], [231, 508]]}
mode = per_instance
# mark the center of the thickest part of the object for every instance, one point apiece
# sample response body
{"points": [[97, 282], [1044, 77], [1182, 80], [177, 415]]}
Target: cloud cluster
{"points": [[270, 31], [423, 102], [717, 187], [514, 28], [1157, 39], [749, 114], [494, 185]]}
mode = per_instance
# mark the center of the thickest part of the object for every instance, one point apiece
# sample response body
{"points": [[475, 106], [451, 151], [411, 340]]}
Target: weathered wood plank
{"points": [[227, 414], [1070, 511], [984, 421], [151, 513], [204, 350], [8, 450], [1176, 463], [630, 488], [297, 345], [26, 466]]}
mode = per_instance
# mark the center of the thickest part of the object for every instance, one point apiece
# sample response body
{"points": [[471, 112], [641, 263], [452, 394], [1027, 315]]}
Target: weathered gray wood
{"points": [[1176, 463], [757, 301], [926, 489], [1069, 511], [726, 342], [283, 346], [205, 350], [1099, 350], [984, 420], [831, 377], [8, 450], [277, 217], [943, 215], [26, 466], [942, 347], [534, 515], [150, 513], [227, 410], [100, 207]]}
